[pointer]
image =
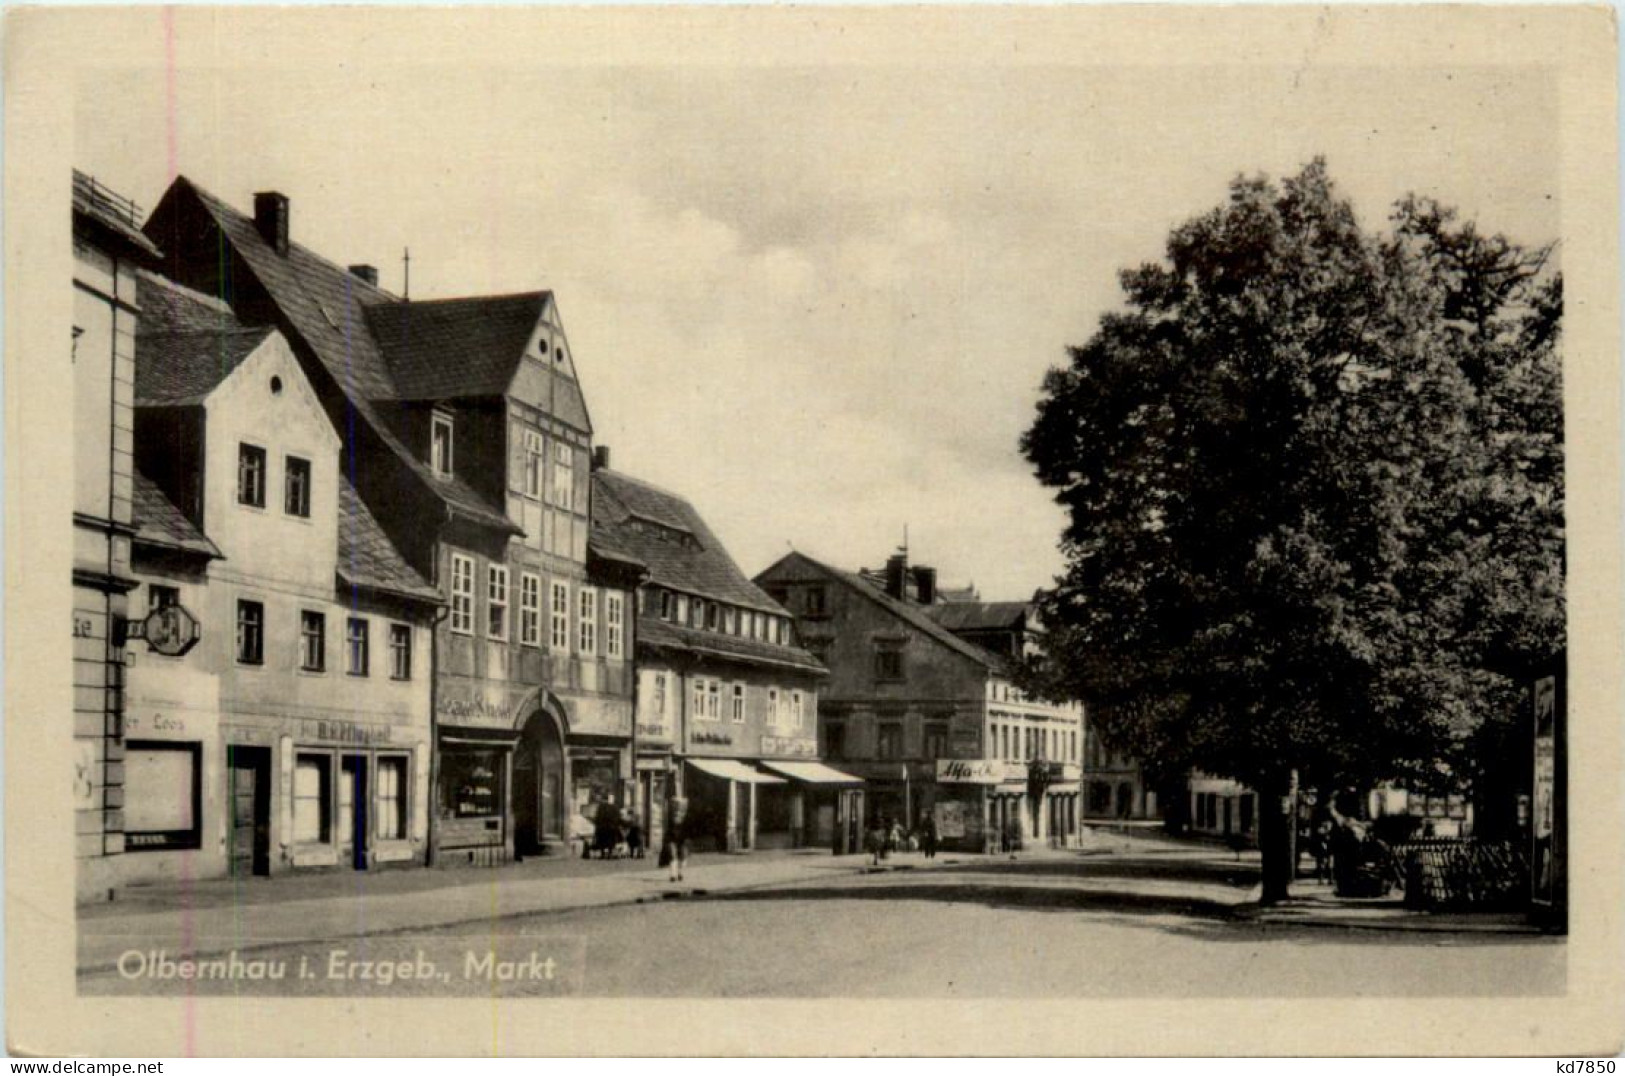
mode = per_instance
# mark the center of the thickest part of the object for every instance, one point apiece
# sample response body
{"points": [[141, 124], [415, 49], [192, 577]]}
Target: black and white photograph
{"points": [[611, 511]]}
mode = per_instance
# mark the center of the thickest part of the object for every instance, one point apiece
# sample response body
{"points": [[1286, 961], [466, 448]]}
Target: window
{"points": [[730, 621], [835, 740], [312, 799], [817, 599], [251, 475], [588, 621], [163, 789], [667, 604], [697, 706], [440, 444], [355, 637], [889, 741], [400, 652], [774, 714], [390, 816], [161, 597], [739, 704], [614, 615], [935, 743], [560, 637], [250, 633], [533, 464], [530, 610], [462, 594], [889, 663], [564, 475], [296, 488], [713, 700], [312, 641], [796, 716], [659, 701], [496, 602], [682, 609]]}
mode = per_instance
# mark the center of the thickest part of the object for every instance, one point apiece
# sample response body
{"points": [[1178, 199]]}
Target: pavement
{"points": [[1114, 869]]}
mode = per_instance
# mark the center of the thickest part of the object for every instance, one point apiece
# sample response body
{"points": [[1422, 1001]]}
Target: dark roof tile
{"points": [[367, 559], [159, 523], [661, 634], [455, 347]]}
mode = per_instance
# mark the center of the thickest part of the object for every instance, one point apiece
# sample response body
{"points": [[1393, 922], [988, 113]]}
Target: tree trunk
{"points": [[1277, 826]]}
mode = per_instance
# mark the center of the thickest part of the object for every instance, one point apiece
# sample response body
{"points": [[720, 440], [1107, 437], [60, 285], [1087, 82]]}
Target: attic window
{"points": [[558, 355], [328, 314], [440, 444]]}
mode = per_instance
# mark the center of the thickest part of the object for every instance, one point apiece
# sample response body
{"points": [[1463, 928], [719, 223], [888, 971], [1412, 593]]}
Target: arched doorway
{"points": [[538, 784]]}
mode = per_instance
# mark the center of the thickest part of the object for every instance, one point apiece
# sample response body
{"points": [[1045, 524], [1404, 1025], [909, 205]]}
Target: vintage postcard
{"points": [[833, 530]]}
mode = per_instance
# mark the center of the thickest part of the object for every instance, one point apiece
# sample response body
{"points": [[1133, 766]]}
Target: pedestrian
{"points": [[633, 828], [674, 850], [1320, 846], [874, 842], [928, 835], [894, 837]]}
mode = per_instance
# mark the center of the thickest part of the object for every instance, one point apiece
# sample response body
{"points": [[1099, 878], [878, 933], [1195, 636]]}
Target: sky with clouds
{"points": [[818, 300]]}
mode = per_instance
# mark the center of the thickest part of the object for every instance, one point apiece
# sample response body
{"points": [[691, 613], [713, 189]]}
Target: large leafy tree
{"points": [[1314, 484]]}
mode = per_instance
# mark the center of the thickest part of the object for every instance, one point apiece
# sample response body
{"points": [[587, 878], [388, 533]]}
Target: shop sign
{"points": [[785, 745], [654, 732], [345, 732], [473, 710], [171, 630], [600, 717], [950, 819], [980, 771], [152, 722], [710, 736]]}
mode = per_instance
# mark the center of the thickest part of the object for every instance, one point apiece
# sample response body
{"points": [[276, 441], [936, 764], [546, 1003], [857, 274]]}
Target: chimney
{"points": [[369, 273], [896, 572], [600, 457], [271, 219], [925, 584]]}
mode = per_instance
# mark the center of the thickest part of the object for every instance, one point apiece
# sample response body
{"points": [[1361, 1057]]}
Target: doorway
{"points": [[353, 800], [538, 785], [249, 775]]}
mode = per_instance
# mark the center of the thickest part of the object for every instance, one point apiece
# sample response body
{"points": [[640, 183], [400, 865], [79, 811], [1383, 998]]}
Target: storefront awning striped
{"points": [[813, 773], [729, 770]]}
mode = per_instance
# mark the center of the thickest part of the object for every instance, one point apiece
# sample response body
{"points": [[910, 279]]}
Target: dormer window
{"points": [[440, 444]]}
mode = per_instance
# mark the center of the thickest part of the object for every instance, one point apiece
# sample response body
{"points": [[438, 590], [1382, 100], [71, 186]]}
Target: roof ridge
{"points": [[609, 472], [208, 196], [418, 304]]}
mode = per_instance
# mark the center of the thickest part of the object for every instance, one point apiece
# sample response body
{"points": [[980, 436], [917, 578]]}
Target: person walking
{"points": [[674, 851], [928, 835]]}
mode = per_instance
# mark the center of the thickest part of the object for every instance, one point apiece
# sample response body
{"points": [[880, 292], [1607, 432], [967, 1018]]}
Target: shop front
{"points": [[825, 805], [723, 801]]}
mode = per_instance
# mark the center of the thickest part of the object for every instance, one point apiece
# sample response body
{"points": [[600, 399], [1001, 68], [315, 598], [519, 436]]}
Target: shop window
{"points": [[250, 633], [313, 799], [739, 704], [1246, 807], [614, 624], [560, 608], [356, 645], [296, 488], [530, 610], [496, 602], [163, 790], [389, 819], [471, 783], [462, 594], [251, 475], [935, 741], [889, 741], [587, 622], [400, 652], [312, 641]]}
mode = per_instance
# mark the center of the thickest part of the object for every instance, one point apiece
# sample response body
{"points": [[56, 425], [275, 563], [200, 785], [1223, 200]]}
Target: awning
{"points": [[729, 770], [813, 773]]}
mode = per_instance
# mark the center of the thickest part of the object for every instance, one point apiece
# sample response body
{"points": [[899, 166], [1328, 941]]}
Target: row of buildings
{"points": [[354, 586]]}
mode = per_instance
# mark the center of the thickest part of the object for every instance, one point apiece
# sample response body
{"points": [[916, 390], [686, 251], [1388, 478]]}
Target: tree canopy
{"points": [[1314, 485]]}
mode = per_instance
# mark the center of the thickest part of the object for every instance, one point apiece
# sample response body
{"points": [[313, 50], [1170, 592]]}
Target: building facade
{"points": [[108, 249], [466, 435], [727, 698], [934, 723], [278, 693]]}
